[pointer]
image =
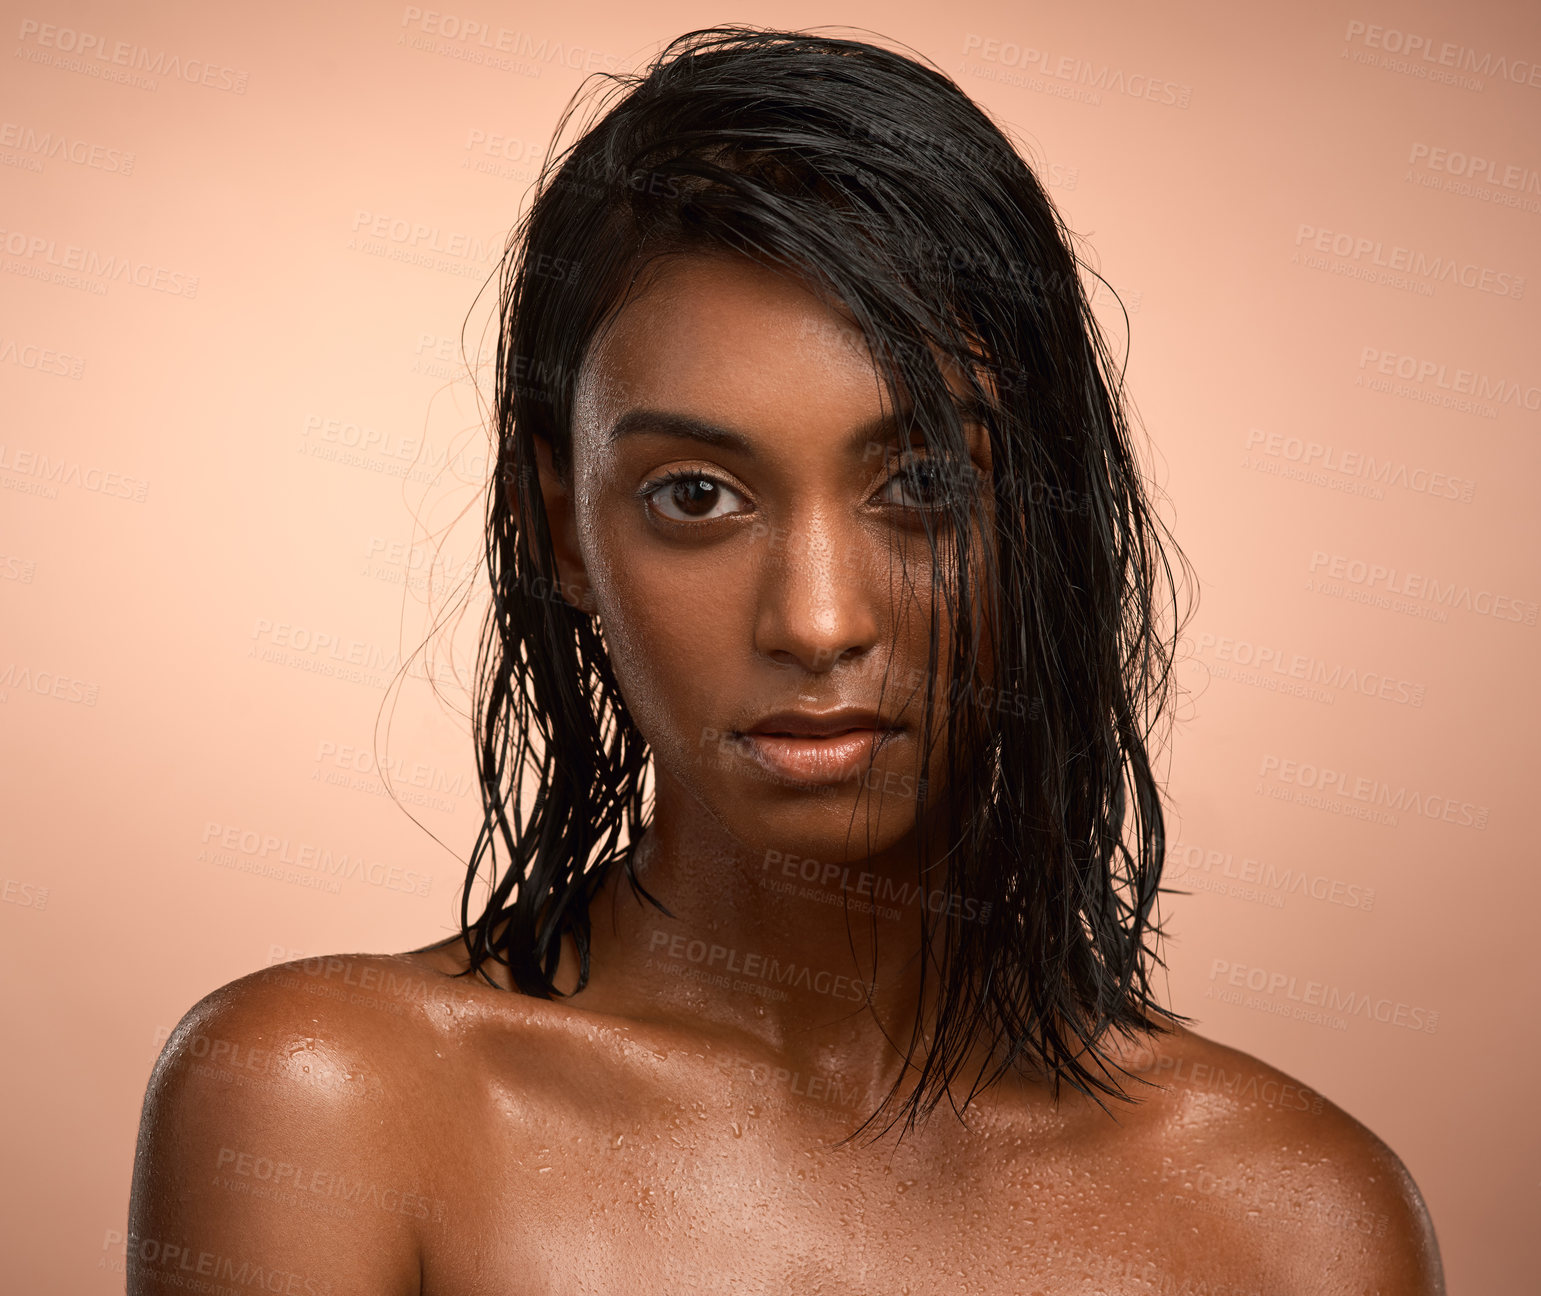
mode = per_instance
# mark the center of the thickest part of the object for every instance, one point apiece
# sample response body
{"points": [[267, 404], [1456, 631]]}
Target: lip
{"points": [[817, 724], [814, 748]]}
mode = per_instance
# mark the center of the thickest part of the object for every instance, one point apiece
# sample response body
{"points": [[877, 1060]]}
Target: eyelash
{"points": [[657, 484]]}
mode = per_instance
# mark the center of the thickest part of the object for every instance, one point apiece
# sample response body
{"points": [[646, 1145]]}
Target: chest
{"points": [[701, 1201]]}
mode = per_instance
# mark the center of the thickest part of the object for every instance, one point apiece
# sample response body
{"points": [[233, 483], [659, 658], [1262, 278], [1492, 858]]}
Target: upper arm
{"points": [[1375, 1237], [1347, 1217], [1300, 1194], [268, 1154]]}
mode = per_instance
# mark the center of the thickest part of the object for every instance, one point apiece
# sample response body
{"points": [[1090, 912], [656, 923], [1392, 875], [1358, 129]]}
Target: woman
{"points": [[822, 663]]}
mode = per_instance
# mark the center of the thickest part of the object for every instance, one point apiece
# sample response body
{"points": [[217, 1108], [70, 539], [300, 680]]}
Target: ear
{"points": [[557, 494]]}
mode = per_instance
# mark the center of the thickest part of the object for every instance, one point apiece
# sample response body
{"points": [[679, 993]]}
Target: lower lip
{"points": [[806, 759]]}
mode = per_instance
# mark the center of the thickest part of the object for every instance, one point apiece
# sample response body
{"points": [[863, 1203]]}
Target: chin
{"points": [[829, 823]]}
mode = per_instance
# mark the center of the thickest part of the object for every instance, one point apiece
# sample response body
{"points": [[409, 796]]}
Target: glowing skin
{"points": [[672, 1127], [778, 586]]}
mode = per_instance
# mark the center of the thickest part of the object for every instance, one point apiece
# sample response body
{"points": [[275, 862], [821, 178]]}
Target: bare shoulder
{"points": [[1315, 1192], [318, 1027], [283, 1131]]}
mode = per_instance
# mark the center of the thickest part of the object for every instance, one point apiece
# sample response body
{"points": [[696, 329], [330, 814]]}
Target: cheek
{"points": [[670, 633]]}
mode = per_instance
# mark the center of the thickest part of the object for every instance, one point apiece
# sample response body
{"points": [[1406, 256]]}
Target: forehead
{"points": [[701, 330]]}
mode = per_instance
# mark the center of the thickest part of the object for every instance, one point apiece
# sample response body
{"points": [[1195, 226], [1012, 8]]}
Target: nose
{"points": [[820, 594]]}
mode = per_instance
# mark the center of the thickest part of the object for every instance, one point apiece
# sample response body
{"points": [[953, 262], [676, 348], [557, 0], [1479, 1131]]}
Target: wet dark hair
{"points": [[937, 240]]}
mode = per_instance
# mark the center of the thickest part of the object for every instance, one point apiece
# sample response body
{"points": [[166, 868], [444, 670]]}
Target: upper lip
{"points": [[819, 723]]}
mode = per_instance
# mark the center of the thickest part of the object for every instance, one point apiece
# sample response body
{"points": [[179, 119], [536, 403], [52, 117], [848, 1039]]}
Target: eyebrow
{"points": [[885, 427]]}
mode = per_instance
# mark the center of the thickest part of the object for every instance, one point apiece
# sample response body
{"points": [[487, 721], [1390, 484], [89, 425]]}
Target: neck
{"points": [[815, 959]]}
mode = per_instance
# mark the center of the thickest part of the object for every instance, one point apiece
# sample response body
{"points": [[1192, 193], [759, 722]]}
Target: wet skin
{"points": [[368, 1124]]}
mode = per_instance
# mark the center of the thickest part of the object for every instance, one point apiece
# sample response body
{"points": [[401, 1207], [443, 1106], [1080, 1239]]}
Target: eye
{"points": [[930, 481], [687, 495]]}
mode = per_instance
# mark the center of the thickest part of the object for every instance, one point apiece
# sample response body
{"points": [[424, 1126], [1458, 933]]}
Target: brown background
{"points": [[215, 545]]}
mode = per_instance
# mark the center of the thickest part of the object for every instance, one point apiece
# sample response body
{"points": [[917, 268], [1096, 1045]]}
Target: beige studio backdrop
{"points": [[240, 467]]}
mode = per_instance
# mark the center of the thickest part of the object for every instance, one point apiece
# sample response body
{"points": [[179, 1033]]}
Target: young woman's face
{"points": [[748, 521]]}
